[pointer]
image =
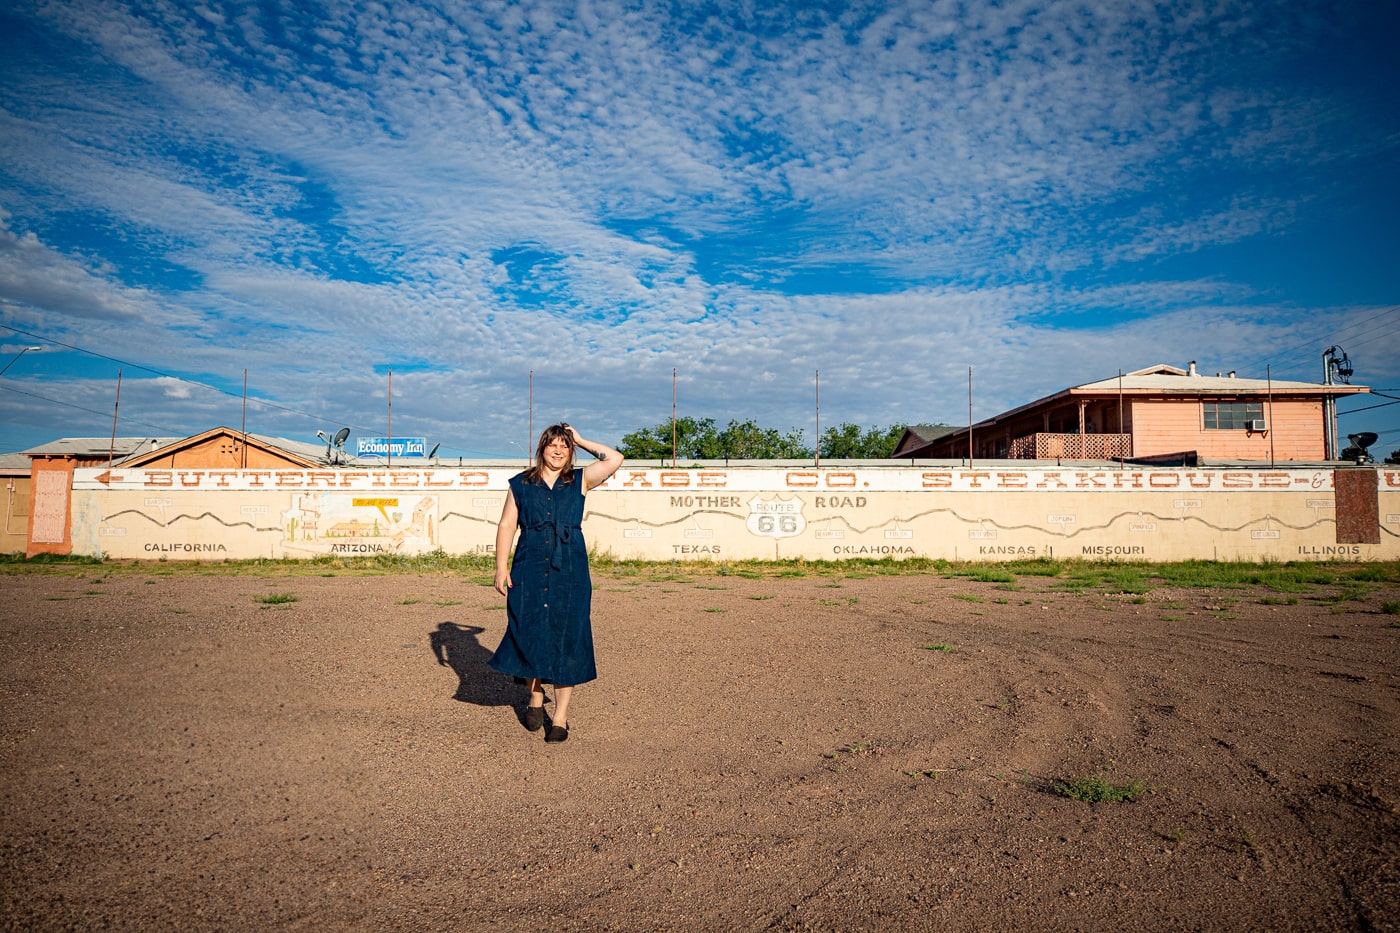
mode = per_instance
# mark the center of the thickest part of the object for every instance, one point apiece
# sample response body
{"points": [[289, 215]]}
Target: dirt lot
{"points": [[791, 753]]}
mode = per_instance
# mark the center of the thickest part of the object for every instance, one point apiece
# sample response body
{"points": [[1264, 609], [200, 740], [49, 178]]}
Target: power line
{"points": [[93, 411], [194, 382], [1338, 335], [1356, 411]]}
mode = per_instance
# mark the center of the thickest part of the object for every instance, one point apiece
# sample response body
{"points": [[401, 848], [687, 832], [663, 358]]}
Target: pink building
{"points": [[1159, 413]]}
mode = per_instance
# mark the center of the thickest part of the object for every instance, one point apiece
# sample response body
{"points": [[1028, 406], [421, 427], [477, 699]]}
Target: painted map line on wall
{"points": [[193, 518], [470, 518], [896, 521]]}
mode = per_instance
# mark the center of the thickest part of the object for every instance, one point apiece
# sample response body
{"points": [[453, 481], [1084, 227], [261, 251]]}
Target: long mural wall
{"points": [[756, 512]]}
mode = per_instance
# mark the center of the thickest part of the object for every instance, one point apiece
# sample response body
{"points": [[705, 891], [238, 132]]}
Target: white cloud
{"points": [[338, 185]]}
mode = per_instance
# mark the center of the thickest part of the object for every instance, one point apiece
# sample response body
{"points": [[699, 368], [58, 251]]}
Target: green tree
{"points": [[699, 439], [747, 441], [695, 440], [847, 441]]}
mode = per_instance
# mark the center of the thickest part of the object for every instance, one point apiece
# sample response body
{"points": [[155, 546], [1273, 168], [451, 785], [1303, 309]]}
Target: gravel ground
{"points": [[183, 751]]}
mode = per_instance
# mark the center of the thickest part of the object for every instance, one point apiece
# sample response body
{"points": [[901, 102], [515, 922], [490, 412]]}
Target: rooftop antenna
{"points": [[432, 454]]}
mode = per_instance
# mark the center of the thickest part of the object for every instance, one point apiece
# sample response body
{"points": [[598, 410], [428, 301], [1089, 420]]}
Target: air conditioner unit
{"points": [[1258, 424]]}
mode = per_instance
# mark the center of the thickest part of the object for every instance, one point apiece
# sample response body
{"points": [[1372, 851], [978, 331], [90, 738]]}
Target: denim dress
{"points": [[549, 630]]}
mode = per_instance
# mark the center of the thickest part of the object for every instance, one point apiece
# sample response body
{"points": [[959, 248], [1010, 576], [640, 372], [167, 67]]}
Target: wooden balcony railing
{"points": [[1071, 447]]}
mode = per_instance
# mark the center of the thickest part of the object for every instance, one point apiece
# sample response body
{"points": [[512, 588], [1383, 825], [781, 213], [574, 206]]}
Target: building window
{"points": [[1232, 416]]}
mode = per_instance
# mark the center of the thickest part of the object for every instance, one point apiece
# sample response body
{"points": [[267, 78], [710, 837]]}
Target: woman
{"points": [[549, 636]]}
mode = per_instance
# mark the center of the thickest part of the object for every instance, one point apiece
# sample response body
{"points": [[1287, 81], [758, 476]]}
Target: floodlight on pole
{"points": [[17, 356], [1334, 361]]}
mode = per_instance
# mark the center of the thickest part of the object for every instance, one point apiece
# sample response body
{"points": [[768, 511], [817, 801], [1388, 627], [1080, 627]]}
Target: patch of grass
{"points": [[938, 646], [1171, 618], [1375, 573], [447, 602], [968, 597], [714, 608], [495, 607], [1001, 600], [1099, 789], [1279, 601], [1035, 567], [277, 599], [1391, 608], [762, 596], [851, 748], [412, 600], [1126, 580]]}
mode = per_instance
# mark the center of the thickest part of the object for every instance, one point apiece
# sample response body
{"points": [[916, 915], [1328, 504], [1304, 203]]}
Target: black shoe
{"points": [[557, 734], [534, 718]]}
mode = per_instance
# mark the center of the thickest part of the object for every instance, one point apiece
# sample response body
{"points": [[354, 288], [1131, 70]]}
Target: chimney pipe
{"points": [[1191, 368]]}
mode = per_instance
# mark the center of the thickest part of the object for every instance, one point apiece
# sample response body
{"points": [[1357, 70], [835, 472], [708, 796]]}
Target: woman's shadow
{"points": [[456, 646]]}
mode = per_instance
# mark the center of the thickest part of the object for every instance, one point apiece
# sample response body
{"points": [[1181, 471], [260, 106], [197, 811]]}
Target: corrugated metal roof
{"points": [[1224, 385], [300, 448], [100, 446], [12, 464]]}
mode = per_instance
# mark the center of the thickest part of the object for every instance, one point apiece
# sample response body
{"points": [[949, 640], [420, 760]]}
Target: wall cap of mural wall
{"points": [[762, 511]]}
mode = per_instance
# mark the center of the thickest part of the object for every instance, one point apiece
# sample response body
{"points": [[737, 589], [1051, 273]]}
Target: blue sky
{"points": [[747, 193]]}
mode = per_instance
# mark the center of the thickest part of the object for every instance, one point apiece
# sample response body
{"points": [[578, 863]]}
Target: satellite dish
{"points": [[340, 436], [433, 453], [1357, 452]]}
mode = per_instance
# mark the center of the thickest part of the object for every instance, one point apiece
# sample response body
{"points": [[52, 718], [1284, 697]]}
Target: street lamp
{"points": [[17, 356]]}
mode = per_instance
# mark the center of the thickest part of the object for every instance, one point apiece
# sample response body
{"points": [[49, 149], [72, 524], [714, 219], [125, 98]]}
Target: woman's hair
{"points": [[566, 475]]}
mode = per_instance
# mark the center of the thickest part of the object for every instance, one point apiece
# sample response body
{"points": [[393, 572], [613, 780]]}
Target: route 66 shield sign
{"points": [[776, 518]]}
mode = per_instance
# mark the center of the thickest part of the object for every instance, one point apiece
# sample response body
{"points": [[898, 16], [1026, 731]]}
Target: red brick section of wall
{"points": [[1358, 506], [51, 483]]}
